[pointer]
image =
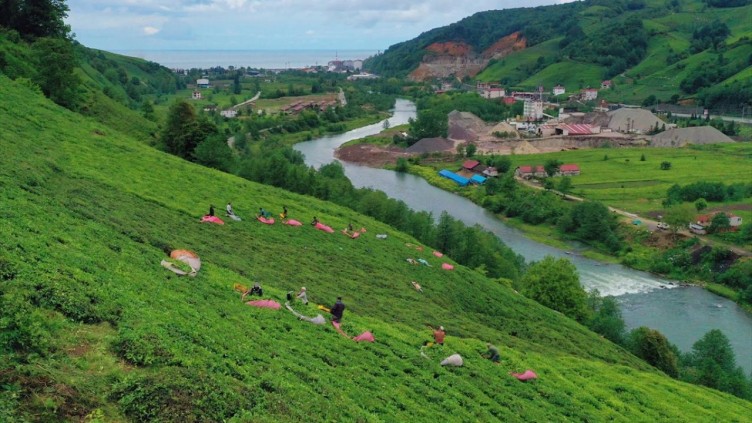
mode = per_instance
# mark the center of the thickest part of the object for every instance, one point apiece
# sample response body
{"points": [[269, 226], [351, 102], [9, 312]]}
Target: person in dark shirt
{"points": [[315, 221], [255, 290], [492, 353], [337, 310], [211, 210]]}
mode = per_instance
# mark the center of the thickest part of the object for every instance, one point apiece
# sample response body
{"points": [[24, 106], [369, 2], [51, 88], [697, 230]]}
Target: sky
{"points": [[118, 25]]}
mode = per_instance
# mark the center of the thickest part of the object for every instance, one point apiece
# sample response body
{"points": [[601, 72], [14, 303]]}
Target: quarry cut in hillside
{"points": [[459, 59]]}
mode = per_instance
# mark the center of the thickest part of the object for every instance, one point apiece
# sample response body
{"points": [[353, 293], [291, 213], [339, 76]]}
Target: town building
{"points": [[196, 95], [533, 110], [589, 94], [576, 129], [559, 90], [202, 83], [229, 113], [490, 91], [606, 85]]}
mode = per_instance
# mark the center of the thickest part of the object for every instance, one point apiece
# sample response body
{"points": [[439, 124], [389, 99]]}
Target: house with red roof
{"points": [[605, 85], [576, 129], [470, 164], [569, 170], [528, 172], [705, 220]]}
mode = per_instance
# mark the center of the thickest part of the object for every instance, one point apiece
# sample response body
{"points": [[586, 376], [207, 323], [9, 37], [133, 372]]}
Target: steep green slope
{"points": [[93, 326], [112, 87], [589, 43]]}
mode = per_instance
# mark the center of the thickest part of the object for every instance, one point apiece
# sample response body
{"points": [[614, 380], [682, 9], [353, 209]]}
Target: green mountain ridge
{"points": [[93, 328], [579, 44]]}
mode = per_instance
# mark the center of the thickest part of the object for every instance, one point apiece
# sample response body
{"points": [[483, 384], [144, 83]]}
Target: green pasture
{"points": [[515, 64], [104, 332], [659, 47], [572, 75], [623, 181]]}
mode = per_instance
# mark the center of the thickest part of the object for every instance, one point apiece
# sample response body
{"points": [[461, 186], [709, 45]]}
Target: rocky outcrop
{"points": [[458, 59], [511, 43]]}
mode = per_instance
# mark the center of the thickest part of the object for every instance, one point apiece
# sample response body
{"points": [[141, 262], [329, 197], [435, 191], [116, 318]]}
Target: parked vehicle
{"points": [[697, 229]]}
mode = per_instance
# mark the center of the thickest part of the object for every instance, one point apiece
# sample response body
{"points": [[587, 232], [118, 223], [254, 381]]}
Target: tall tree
{"points": [[184, 131], [35, 18], [556, 284], [607, 319], [651, 346], [56, 61], [712, 363], [678, 217]]}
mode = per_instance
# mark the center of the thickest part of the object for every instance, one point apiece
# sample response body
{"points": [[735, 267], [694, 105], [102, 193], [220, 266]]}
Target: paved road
{"points": [[650, 224]]}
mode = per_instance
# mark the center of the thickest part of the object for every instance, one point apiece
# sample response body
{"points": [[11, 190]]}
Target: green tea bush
{"points": [[181, 395], [142, 349], [76, 299], [23, 328]]}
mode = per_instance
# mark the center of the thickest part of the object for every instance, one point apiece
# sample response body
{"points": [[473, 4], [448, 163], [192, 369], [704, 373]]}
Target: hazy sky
{"points": [[266, 24]]}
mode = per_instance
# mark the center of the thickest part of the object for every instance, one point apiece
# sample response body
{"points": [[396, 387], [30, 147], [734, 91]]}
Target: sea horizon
{"points": [[256, 58]]}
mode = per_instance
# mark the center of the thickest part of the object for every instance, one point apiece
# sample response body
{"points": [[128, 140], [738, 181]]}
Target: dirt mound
{"points": [[633, 120], [505, 127], [464, 126], [679, 137], [431, 145], [512, 42], [525, 147]]}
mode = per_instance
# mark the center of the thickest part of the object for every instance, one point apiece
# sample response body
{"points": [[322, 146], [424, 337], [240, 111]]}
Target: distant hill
{"points": [[111, 88], [678, 48]]}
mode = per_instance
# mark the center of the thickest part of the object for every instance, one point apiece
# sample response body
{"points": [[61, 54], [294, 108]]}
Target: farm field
{"points": [[99, 330], [625, 182]]}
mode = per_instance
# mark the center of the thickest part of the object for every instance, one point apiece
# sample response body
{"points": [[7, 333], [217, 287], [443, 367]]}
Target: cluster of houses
{"points": [[343, 66], [529, 172], [700, 226], [533, 100], [472, 172]]}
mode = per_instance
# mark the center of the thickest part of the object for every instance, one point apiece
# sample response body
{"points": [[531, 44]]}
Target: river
{"points": [[682, 314]]}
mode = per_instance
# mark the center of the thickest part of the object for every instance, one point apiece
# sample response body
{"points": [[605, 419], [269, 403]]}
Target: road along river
{"points": [[682, 314]]}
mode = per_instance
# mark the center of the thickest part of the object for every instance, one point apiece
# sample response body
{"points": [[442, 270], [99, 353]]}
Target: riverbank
{"points": [[639, 255], [683, 314]]}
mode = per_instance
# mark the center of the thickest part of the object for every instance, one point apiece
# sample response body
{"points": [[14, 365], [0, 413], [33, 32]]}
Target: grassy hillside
{"points": [[658, 70], [112, 87], [93, 326]]}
